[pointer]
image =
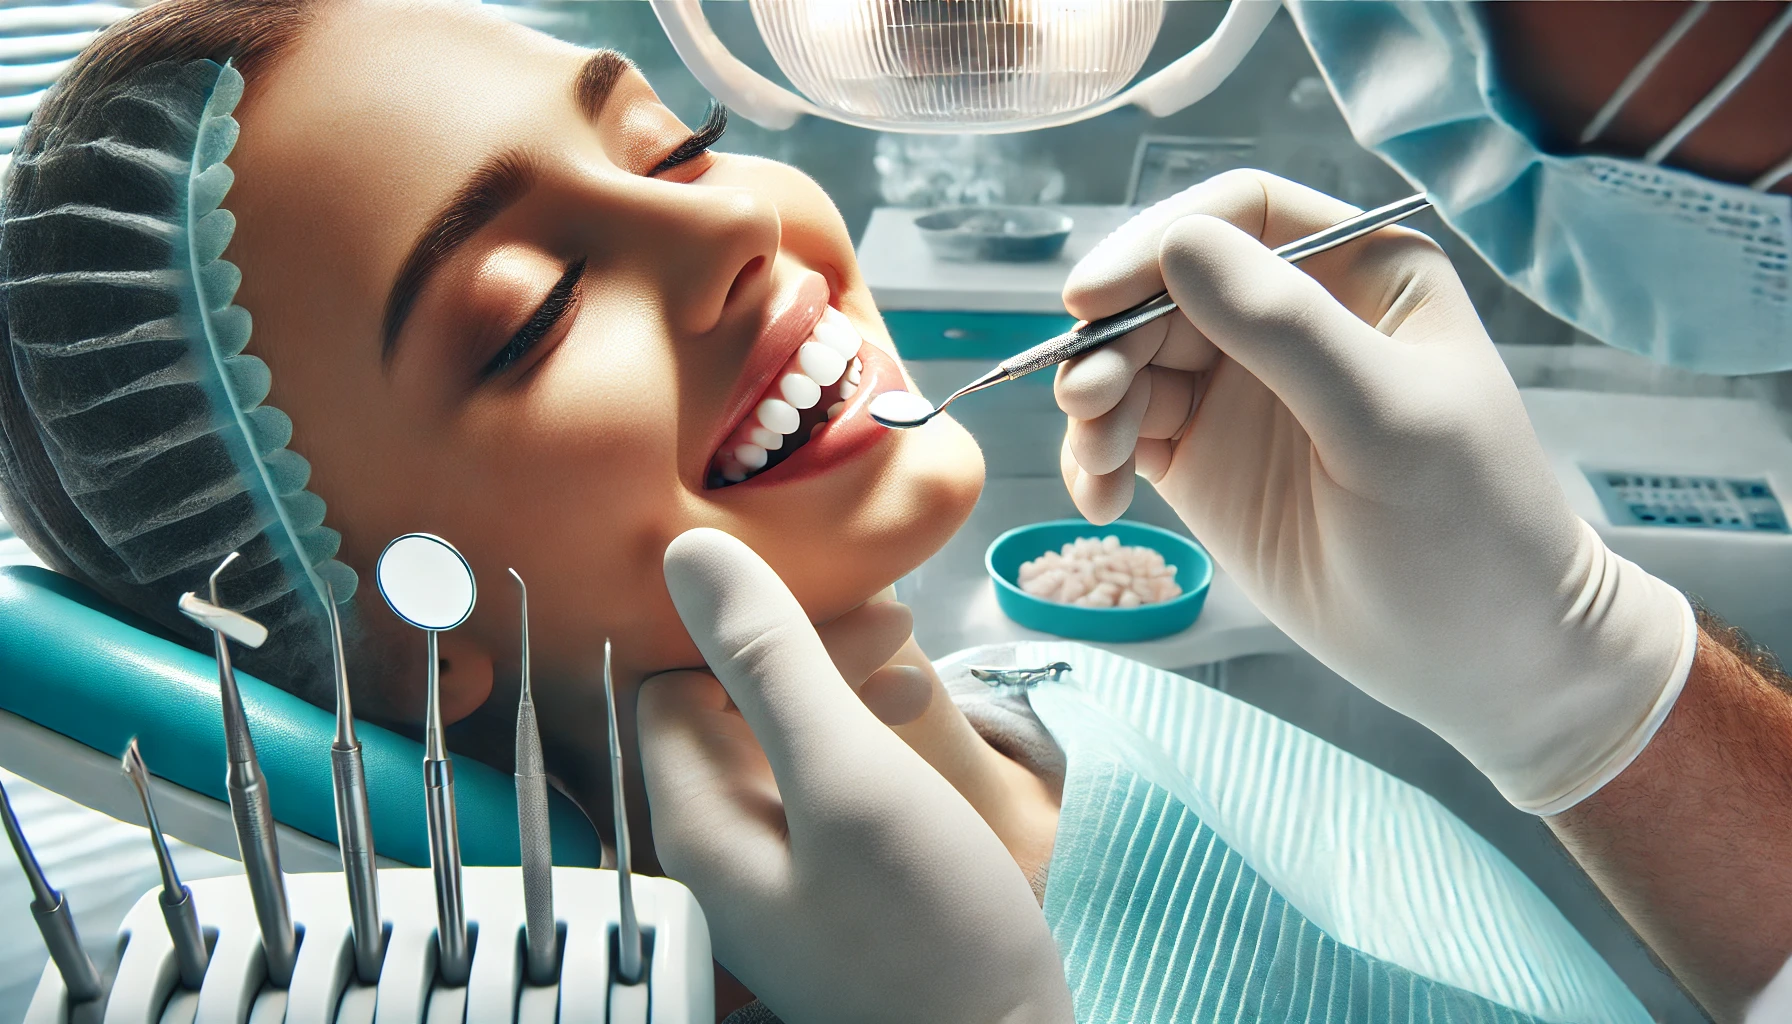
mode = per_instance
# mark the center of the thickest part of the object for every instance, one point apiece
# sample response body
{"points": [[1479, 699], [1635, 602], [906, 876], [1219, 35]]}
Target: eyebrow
{"points": [[496, 186]]}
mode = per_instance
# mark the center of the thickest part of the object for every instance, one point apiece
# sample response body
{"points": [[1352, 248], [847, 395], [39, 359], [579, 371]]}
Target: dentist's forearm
{"points": [[1693, 842]]}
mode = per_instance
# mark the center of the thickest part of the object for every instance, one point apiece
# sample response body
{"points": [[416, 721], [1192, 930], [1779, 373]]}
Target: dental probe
{"points": [[535, 839], [354, 821], [902, 410], [250, 811], [628, 927], [54, 921], [190, 955]]}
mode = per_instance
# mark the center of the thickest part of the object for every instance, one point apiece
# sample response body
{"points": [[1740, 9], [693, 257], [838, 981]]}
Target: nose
{"points": [[710, 249]]}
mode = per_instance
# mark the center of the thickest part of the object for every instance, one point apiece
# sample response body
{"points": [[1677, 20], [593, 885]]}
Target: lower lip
{"points": [[846, 436]]}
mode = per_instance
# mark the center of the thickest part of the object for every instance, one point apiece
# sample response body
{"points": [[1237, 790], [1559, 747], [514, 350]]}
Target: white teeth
{"points": [[750, 456], [837, 333], [820, 363], [799, 390], [829, 357], [779, 416]]}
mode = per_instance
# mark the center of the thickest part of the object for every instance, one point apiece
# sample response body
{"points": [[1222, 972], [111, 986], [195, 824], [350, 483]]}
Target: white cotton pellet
{"points": [[1100, 572]]}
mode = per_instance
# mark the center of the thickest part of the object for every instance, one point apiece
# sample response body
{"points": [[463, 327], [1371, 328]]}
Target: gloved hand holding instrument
{"points": [[842, 876], [1345, 440]]}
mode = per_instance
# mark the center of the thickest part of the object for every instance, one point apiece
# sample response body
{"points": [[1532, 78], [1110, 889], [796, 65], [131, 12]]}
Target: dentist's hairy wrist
{"points": [[1693, 842]]}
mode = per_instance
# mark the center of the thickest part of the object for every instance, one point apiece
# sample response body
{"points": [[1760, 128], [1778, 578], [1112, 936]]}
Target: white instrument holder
{"points": [[678, 987]]}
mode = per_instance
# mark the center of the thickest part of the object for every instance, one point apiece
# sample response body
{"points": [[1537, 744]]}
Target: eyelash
{"points": [[560, 298], [553, 309], [715, 122]]}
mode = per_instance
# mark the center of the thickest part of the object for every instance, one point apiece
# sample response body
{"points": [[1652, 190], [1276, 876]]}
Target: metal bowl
{"points": [[1007, 234]]}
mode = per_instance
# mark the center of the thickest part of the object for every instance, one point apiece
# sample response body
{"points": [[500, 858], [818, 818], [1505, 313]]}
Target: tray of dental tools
{"points": [[675, 987]]}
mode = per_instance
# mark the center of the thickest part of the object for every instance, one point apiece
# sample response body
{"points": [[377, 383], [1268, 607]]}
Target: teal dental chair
{"points": [[79, 678]]}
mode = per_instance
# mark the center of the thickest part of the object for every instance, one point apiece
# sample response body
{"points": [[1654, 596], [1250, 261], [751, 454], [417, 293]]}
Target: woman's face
{"points": [[495, 313]]}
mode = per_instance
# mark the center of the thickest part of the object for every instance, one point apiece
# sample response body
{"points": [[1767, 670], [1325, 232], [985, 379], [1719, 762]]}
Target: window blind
{"points": [[37, 41]]}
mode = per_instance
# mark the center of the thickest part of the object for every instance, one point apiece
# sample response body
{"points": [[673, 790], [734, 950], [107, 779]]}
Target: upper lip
{"points": [[795, 312]]}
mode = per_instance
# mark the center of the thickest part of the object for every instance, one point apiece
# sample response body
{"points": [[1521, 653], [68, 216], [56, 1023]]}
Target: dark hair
{"points": [[254, 35]]}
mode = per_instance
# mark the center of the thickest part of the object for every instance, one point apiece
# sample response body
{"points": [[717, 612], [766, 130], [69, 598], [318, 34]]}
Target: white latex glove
{"points": [[1345, 440], [843, 878]]}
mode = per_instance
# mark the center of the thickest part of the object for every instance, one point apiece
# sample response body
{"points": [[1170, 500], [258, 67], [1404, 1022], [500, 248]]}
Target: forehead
{"points": [[356, 136]]}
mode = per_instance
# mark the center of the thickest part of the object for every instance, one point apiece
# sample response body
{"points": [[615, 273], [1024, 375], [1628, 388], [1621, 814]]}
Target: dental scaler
{"points": [[430, 585], [190, 955], [535, 837], [250, 810], [628, 926], [903, 410], [54, 920], [354, 821]]}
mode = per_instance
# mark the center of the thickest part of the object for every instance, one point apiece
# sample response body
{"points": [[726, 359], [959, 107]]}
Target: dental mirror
{"points": [[901, 410], [426, 581]]}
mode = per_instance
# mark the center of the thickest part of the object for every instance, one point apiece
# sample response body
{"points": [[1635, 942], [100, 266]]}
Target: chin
{"points": [[920, 495]]}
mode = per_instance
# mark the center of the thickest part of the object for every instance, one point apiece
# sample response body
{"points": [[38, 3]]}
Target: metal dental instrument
{"points": [[354, 821], [628, 927], [430, 585], [250, 810], [902, 410], [54, 920], [1022, 678], [190, 955], [535, 838]]}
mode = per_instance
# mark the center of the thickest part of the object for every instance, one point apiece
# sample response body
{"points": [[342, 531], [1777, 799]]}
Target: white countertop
{"points": [[903, 274], [955, 604]]}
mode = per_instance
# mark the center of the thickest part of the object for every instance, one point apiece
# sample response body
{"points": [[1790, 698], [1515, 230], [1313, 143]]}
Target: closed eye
{"points": [[560, 300], [715, 122]]}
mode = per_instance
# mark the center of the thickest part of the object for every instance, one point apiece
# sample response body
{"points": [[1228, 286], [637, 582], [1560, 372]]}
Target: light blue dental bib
{"points": [[1214, 863]]}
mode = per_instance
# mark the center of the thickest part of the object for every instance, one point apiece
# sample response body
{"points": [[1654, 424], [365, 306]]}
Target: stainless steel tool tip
{"points": [[139, 775], [523, 594], [345, 710], [41, 892], [628, 928]]}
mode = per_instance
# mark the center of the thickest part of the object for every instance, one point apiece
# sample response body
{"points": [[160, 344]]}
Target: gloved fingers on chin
{"points": [[1093, 383], [1282, 327], [866, 638], [759, 643], [1103, 444], [1122, 269], [1101, 499], [709, 787], [897, 694]]}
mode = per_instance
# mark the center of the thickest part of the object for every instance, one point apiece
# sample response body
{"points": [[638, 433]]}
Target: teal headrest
{"points": [[74, 664]]}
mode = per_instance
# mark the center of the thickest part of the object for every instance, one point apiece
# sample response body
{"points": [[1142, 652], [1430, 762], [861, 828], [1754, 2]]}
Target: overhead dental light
{"points": [[958, 66]]}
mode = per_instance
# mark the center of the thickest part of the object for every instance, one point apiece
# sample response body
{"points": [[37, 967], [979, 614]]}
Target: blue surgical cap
{"points": [[137, 447]]}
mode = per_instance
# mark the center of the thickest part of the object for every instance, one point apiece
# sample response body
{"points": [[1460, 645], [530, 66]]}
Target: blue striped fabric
{"points": [[1159, 920], [1214, 863], [37, 41]]}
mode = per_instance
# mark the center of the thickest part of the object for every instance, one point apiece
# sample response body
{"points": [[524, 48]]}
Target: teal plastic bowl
{"points": [[1194, 571]]}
